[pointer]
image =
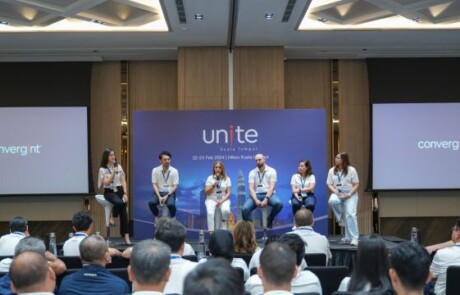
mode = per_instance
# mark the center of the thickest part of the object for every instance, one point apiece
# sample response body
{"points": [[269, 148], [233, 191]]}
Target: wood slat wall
{"points": [[105, 123], [258, 78], [355, 129]]}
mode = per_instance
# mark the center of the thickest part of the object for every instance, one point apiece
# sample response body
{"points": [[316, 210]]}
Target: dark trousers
{"points": [[309, 202], [119, 207], [171, 203]]}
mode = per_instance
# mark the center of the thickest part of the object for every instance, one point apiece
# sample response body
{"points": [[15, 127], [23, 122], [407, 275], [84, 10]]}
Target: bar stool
{"points": [[218, 222], [264, 211], [108, 211]]}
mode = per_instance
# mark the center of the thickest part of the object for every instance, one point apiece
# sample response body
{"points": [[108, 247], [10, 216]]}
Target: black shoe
{"points": [[270, 223]]}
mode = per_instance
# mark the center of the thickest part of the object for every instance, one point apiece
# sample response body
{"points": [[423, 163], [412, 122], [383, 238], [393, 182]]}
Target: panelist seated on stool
{"points": [[218, 189]]}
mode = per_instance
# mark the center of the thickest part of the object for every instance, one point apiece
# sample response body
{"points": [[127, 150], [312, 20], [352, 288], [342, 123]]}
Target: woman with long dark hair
{"points": [[303, 187], [112, 179], [370, 272], [343, 182]]}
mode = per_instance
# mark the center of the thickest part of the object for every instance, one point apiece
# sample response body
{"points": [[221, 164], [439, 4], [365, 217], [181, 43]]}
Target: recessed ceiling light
{"points": [[4, 23], [323, 20], [96, 21], [416, 19], [199, 16], [269, 16]]}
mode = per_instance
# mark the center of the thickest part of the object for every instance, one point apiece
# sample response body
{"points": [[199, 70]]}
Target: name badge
{"points": [[165, 188], [219, 195], [338, 184]]}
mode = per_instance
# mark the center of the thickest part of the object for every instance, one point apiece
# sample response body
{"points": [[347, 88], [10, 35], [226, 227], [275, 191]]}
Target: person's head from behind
{"points": [[409, 267], [277, 267], [93, 249], [149, 265], [18, 224], [244, 237], [172, 232], [30, 272], [30, 244], [303, 217], [215, 276], [82, 222], [221, 244], [296, 243], [371, 265]]}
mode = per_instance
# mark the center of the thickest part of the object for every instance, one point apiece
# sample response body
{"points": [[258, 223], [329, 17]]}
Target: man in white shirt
{"points": [[302, 282], [18, 230], [30, 273], [149, 267], [409, 268], [445, 258], [172, 233], [82, 224], [262, 182], [314, 242], [165, 180]]}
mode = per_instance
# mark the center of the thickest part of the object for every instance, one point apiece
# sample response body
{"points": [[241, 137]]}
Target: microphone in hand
{"points": [[115, 167]]}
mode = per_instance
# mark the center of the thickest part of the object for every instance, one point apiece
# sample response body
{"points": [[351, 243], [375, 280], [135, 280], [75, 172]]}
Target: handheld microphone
{"points": [[115, 165]]}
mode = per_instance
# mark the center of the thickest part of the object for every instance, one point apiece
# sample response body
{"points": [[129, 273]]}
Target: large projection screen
{"points": [[416, 146], [44, 150]]}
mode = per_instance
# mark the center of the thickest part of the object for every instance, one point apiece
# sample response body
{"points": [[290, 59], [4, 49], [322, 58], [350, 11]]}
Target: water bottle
{"points": [[414, 235], [201, 246], [52, 245]]}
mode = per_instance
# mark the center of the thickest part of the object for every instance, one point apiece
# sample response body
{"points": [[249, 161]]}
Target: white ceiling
{"points": [[248, 24]]}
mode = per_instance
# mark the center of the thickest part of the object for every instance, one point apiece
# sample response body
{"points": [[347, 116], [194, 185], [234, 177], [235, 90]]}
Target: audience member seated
{"points": [[30, 273], [30, 244], [221, 245], [303, 281], [409, 268], [18, 231], [82, 224], [277, 268], [212, 277], [149, 267], [370, 272], [244, 238], [255, 259], [445, 258], [93, 277], [314, 242]]}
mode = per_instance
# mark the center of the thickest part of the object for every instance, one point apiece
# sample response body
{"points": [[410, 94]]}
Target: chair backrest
{"points": [[245, 257], [316, 259], [453, 280], [241, 272], [193, 258], [71, 262], [118, 262], [329, 276]]}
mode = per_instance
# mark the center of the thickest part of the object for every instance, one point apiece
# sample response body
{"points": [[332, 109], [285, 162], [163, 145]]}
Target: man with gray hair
{"points": [[30, 273], [93, 276], [149, 267], [18, 230], [30, 244]]}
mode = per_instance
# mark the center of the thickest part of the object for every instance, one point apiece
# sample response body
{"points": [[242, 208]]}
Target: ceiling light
{"points": [[416, 19], [269, 16], [198, 16], [4, 23], [96, 21], [323, 20]]}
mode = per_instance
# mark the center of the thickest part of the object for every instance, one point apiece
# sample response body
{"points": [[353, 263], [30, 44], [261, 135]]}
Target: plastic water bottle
{"points": [[201, 246], [414, 235], [53, 245]]}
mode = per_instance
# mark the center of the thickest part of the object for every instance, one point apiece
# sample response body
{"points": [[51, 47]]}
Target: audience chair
{"points": [[240, 271], [316, 259], [218, 219], [108, 211], [245, 257], [71, 262], [253, 271], [453, 280], [192, 258], [329, 276]]}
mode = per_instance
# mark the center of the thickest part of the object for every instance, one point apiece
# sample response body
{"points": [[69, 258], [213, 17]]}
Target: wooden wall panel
{"points": [[355, 130], [259, 78], [203, 78], [152, 85], [105, 122]]}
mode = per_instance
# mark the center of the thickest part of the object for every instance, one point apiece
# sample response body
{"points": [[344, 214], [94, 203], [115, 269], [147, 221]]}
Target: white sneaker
{"points": [[354, 242]]}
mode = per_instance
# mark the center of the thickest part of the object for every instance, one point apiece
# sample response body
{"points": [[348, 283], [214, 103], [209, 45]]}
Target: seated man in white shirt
{"points": [[18, 230], [149, 267], [445, 258], [302, 282], [82, 224], [314, 242]]}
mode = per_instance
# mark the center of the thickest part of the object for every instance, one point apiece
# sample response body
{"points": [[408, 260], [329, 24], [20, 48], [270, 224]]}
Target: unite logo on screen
{"points": [[23, 150], [230, 136], [438, 145]]}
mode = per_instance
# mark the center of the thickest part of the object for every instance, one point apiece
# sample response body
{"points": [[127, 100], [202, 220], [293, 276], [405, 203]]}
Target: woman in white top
{"points": [[303, 187], [218, 189], [112, 178]]}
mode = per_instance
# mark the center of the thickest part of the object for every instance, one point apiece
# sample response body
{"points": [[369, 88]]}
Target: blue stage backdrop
{"points": [[198, 138]]}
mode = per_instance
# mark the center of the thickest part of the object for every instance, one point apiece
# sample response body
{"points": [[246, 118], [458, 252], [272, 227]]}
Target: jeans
{"points": [[349, 208], [274, 202], [309, 202], [170, 202]]}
